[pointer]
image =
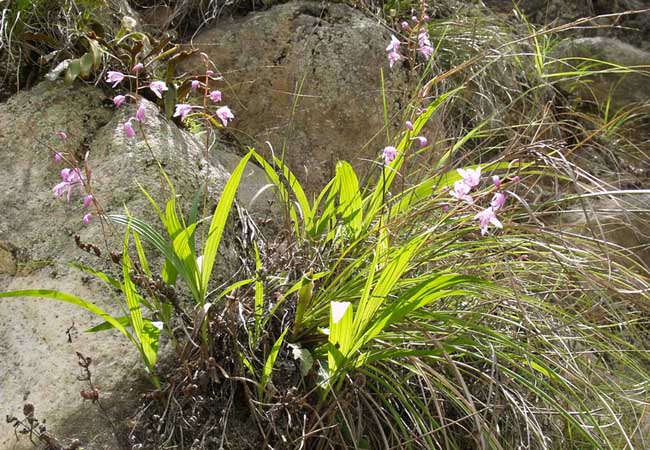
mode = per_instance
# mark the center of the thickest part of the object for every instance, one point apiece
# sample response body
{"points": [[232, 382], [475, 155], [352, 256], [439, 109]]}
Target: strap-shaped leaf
{"points": [[218, 223], [350, 205], [297, 190], [270, 363], [283, 192], [341, 336], [73, 300], [161, 244], [131, 297]]}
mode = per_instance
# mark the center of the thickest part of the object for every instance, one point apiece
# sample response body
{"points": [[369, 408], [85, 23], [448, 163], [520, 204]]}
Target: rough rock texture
{"points": [[621, 220], [633, 29], [623, 88], [306, 77], [37, 362]]}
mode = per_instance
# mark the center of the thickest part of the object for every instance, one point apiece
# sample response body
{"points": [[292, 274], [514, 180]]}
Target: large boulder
{"points": [[39, 338], [621, 220], [612, 84], [306, 77], [634, 29]]}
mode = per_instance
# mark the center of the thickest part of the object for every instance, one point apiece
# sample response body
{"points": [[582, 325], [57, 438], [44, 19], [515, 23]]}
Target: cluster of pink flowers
{"points": [[157, 87], [470, 179], [72, 179], [182, 110], [461, 191], [393, 50], [417, 30], [424, 44]]}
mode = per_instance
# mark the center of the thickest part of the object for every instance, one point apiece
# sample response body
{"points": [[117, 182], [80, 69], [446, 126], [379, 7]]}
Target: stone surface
{"points": [[7, 259], [620, 220], [624, 87], [633, 29], [306, 77], [39, 338]]}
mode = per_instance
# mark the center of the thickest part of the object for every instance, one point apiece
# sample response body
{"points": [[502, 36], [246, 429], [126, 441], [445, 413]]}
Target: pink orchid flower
{"points": [[496, 181], [390, 153], [487, 218], [58, 156], [87, 218], [182, 110], [71, 178], [393, 50], [195, 84], [137, 68], [498, 201], [114, 77], [118, 100], [471, 177], [393, 57], [128, 129], [158, 87], [225, 114], [88, 200], [394, 44], [424, 44], [409, 125], [422, 141], [461, 191], [139, 114], [215, 96]]}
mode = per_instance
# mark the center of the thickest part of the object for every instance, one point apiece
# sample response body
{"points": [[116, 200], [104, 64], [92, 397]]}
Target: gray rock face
{"points": [[623, 87], [633, 29], [37, 357], [620, 220], [306, 77]]}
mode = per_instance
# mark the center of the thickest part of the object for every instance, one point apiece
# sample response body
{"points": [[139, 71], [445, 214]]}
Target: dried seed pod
{"points": [[116, 257], [90, 394], [28, 410]]}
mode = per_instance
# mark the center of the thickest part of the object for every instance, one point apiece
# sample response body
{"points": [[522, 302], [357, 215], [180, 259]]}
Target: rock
{"points": [[633, 29], [306, 77], [621, 220], [39, 338], [624, 88], [7, 259]]}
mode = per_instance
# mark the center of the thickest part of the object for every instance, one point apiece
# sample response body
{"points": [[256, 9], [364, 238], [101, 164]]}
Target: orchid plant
{"points": [[417, 41], [181, 257]]}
